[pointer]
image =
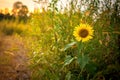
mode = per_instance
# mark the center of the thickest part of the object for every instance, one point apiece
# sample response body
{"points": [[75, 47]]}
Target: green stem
{"points": [[80, 46], [79, 74], [80, 49]]}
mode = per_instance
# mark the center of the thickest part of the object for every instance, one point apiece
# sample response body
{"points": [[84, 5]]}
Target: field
{"points": [[50, 46]]}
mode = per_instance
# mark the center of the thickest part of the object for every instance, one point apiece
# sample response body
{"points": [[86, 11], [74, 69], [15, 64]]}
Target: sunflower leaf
{"points": [[69, 45], [68, 76], [68, 60], [83, 60]]}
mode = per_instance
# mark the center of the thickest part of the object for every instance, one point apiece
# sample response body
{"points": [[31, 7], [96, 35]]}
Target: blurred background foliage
{"points": [[49, 38]]}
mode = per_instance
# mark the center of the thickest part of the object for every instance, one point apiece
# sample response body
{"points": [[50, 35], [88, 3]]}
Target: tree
{"points": [[23, 11], [19, 10], [16, 7]]}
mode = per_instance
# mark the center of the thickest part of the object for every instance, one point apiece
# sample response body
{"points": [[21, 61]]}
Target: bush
{"points": [[14, 27]]}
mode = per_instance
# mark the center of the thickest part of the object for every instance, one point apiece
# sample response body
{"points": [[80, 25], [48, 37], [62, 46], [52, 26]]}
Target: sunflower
{"points": [[83, 32]]}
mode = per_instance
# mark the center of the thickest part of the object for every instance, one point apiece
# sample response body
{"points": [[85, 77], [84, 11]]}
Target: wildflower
{"points": [[83, 32]]}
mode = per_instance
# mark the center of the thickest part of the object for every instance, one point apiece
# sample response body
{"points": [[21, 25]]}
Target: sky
{"points": [[29, 3], [9, 4]]}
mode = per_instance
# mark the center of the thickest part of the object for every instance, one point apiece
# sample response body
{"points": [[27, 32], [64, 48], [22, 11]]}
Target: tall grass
{"points": [[53, 59]]}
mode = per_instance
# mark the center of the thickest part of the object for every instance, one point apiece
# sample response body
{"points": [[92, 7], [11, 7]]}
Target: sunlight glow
{"points": [[9, 4]]}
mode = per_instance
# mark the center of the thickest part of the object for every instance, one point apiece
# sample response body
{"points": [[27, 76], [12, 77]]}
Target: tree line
{"points": [[19, 11]]}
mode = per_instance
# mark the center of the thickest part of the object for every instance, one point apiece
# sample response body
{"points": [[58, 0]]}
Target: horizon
{"points": [[9, 4]]}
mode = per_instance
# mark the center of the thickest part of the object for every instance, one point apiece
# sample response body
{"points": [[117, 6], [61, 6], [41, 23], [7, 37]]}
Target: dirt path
{"points": [[13, 59]]}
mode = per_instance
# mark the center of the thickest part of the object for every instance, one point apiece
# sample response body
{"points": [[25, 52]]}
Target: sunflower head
{"points": [[83, 32]]}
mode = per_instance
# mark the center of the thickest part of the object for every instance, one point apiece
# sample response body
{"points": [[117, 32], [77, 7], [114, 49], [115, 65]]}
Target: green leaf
{"points": [[83, 60], [81, 78], [69, 45], [91, 68], [68, 76], [68, 60]]}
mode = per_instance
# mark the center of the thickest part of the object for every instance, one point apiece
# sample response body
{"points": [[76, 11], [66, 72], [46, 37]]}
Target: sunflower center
{"points": [[83, 33]]}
